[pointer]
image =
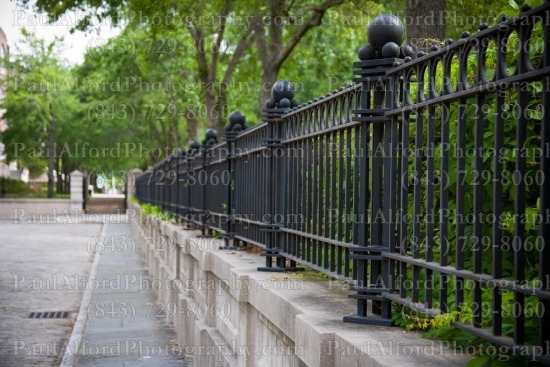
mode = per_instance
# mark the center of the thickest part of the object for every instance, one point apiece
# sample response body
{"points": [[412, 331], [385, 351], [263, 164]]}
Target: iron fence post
{"points": [[377, 201], [273, 118], [202, 212], [229, 237], [278, 106]]}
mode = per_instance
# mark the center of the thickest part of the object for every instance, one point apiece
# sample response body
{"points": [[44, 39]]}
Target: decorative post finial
{"points": [[385, 35], [237, 122], [282, 95], [210, 137], [194, 145]]}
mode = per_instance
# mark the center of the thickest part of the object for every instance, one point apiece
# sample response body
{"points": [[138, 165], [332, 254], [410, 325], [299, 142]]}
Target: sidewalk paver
{"points": [[123, 327]]}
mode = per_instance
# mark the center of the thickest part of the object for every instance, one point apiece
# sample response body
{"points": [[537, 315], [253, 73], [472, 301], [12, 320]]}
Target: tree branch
{"points": [[276, 25], [197, 36], [261, 43], [215, 52], [313, 21], [242, 46], [154, 130]]}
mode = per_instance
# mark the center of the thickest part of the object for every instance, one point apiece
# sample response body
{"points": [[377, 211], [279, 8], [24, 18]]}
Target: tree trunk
{"points": [[269, 77], [67, 182], [223, 113], [273, 51], [59, 171], [425, 23], [192, 126], [213, 114], [175, 127], [93, 180], [51, 152]]}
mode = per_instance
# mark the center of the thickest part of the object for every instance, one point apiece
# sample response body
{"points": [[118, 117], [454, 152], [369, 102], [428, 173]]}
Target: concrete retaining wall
{"points": [[226, 313]]}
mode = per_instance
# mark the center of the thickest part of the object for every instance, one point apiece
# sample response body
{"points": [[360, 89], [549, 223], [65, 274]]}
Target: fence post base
{"points": [[229, 242], [280, 261], [368, 320]]}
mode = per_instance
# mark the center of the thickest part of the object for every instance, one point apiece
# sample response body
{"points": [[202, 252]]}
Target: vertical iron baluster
{"points": [[430, 209], [404, 203], [377, 180], [519, 216], [357, 213], [341, 195], [348, 209], [321, 219], [417, 212], [477, 248], [444, 206], [364, 199], [497, 211], [460, 195], [311, 248], [335, 216], [391, 183]]}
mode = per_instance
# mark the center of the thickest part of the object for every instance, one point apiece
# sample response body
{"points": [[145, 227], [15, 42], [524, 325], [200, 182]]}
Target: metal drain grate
{"points": [[49, 315]]}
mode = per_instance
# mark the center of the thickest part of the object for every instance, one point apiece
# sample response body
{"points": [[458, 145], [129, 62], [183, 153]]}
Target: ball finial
{"points": [[525, 7], [237, 117], [284, 103], [391, 50], [366, 52], [407, 50], [270, 103], [194, 145], [211, 134], [383, 29], [282, 89]]}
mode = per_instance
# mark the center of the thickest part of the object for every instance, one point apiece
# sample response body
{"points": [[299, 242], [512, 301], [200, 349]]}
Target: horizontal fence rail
{"points": [[422, 184]]}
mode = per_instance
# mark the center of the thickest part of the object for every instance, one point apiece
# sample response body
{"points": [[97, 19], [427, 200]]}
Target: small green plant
{"points": [[312, 274], [157, 212], [441, 328]]}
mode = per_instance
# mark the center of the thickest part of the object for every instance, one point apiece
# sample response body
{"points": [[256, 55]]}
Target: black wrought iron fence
{"points": [[422, 184]]}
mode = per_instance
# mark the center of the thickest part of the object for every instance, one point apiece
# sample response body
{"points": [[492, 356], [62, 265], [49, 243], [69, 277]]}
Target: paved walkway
{"points": [[46, 267], [43, 267], [123, 326], [106, 204]]}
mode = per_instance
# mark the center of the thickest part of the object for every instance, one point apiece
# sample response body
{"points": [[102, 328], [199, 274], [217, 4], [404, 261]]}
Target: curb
{"points": [[73, 345]]}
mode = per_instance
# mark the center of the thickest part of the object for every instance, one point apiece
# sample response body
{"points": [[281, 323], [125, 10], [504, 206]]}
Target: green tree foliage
{"points": [[467, 15], [39, 106], [179, 67], [215, 38]]}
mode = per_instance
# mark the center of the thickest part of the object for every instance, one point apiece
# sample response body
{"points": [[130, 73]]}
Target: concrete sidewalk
{"points": [[124, 322]]}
